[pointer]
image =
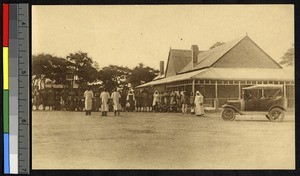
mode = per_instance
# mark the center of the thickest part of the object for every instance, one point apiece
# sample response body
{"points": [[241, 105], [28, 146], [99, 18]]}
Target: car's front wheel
{"points": [[276, 114], [228, 114]]}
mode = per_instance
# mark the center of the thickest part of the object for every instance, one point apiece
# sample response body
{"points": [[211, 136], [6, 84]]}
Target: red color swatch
{"points": [[5, 24]]}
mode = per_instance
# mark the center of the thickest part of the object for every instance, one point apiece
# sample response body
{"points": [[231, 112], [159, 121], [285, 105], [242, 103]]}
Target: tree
{"points": [[84, 68], [48, 66], [113, 76], [141, 74], [288, 58], [216, 45]]}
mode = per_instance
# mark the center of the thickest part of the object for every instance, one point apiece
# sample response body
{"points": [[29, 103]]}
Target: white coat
{"points": [[104, 101], [88, 100], [116, 100]]}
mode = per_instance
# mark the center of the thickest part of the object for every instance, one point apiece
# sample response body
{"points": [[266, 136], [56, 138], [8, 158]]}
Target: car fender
{"points": [[232, 107], [276, 106]]}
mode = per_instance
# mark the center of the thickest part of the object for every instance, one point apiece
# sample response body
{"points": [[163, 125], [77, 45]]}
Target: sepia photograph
{"points": [[163, 87]]}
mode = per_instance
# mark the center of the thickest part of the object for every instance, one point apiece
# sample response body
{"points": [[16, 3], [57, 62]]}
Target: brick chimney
{"points": [[195, 51], [161, 67]]}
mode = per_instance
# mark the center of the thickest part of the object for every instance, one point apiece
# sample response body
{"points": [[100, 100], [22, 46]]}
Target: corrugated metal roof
{"points": [[256, 74], [177, 60], [207, 58], [246, 74], [170, 79]]}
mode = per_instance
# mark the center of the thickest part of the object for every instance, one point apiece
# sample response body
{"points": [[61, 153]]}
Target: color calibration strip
{"points": [[16, 88], [5, 88]]}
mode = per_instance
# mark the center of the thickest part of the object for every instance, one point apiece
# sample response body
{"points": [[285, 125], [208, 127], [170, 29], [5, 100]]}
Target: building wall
{"points": [[225, 92], [246, 54]]}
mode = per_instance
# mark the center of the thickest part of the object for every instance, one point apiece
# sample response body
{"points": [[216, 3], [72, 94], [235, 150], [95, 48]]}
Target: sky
{"points": [[132, 34]]}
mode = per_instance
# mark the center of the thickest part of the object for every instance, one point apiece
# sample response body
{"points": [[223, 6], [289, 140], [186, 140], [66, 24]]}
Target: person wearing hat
{"points": [[88, 101], [115, 96], [104, 102], [199, 108]]}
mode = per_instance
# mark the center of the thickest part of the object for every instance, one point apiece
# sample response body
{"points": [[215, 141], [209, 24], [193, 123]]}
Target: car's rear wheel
{"points": [[276, 114], [228, 114]]}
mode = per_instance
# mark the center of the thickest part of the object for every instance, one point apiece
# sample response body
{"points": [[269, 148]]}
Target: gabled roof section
{"points": [[246, 54], [209, 57], [177, 60]]}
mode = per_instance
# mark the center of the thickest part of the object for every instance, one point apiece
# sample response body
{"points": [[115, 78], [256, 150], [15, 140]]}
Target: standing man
{"points": [[131, 99], [37, 98], [116, 101], [88, 103], [155, 103], [138, 101], [104, 102], [123, 100], [183, 100], [144, 99], [51, 98], [199, 108], [97, 101]]}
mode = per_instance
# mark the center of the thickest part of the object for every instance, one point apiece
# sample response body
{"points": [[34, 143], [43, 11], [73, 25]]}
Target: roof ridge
{"points": [[223, 45]]}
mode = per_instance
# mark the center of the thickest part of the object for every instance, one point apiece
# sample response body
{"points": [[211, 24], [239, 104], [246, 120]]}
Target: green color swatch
{"points": [[5, 111]]}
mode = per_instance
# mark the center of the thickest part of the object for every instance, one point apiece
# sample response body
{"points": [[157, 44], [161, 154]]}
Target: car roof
{"points": [[264, 86]]}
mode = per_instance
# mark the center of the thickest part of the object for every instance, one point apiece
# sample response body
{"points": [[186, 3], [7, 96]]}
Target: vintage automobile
{"points": [[266, 97]]}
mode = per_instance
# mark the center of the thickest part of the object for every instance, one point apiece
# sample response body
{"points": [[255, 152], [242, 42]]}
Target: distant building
{"points": [[221, 73]]}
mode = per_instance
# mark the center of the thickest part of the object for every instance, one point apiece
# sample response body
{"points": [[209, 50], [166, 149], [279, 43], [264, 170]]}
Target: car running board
{"points": [[241, 113]]}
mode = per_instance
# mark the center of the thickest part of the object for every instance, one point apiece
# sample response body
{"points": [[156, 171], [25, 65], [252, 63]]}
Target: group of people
{"points": [[119, 100], [139, 101], [174, 100], [104, 96], [57, 99], [43, 97]]}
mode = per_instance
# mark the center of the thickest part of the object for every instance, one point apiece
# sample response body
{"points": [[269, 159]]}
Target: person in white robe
{"points": [[104, 102], [199, 108], [156, 101], [88, 101], [116, 101]]}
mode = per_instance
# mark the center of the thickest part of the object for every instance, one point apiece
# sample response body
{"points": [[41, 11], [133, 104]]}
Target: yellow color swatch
{"points": [[5, 68]]}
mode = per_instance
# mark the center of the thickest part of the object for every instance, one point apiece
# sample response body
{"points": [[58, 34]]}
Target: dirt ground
{"points": [[70, 140]]}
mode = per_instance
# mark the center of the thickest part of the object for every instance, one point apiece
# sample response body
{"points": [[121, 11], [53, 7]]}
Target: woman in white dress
{"points": [[199, 108], [88, 101]]}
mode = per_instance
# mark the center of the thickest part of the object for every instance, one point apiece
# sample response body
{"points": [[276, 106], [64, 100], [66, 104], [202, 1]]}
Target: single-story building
{"points": [[221, 73]]}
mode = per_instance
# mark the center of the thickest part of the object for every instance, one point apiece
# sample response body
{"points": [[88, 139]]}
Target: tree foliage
{"points": [[142, 74], [52, 67], [113, 76], [288, 58], [216, 45], [84, 68], [87, 71]]}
